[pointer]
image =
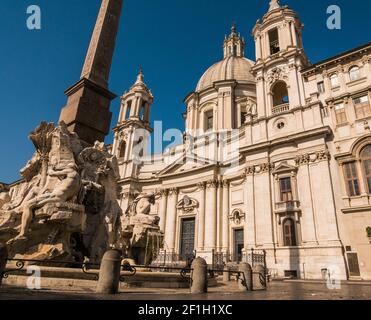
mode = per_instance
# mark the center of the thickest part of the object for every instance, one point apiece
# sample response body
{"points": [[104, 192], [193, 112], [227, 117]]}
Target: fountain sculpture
{"points": [[66, 206]]}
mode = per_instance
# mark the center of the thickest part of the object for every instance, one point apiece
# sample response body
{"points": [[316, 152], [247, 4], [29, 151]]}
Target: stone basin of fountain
{"points": [[70, 277]]}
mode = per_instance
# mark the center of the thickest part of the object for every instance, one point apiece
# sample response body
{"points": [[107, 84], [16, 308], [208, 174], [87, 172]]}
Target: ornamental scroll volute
{"points": [[237, 217]]}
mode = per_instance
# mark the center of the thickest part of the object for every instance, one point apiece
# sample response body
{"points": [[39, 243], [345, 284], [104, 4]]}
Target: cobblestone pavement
{"points": [[276, 291]]}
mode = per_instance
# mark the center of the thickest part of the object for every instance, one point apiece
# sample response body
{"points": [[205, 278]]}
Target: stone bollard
{"points": [[199, 276], [109, 273], [3, 260], [226, 274], [259, 279], [245, 282]]}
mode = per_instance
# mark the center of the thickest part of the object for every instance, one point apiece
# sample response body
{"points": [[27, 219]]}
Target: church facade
{"points": [[276, 157]]}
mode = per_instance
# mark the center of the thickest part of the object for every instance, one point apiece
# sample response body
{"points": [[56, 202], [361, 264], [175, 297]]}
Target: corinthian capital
{"points": [[250, 170], [212, 184], [173, 191], [201, 185]]}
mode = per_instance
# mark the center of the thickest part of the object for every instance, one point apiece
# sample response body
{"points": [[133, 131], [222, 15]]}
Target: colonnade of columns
{"points": [[212, 225]]}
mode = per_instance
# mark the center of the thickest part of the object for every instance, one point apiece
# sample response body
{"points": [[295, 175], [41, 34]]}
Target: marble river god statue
{"points": [[66, 206], [146, 238]]}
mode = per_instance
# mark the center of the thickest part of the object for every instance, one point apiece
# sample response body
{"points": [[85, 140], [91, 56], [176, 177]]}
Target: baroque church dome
{"points": [[234, 66], [231, 68]]}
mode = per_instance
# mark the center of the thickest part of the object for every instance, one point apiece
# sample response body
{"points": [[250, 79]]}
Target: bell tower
{"points": [[133, 129], [279, 58]]}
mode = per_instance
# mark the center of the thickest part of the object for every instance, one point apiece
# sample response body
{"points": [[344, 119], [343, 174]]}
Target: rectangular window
{"points": [[321, 87], [286, 190], [325, 112], [209, 121], [341, 116], [351, 179], [274, 41], [362, 107], [334, 81]]}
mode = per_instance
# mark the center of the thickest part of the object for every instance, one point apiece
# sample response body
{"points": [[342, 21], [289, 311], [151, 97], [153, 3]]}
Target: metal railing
{"points": [[253, 257], [169, 258]]}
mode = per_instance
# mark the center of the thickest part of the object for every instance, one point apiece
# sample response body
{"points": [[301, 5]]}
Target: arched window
{"points": [[354, 73], [280, 94], [334, 81], [289, 235], [142, 112], [128, 110], [366, 164], [122, 149]]}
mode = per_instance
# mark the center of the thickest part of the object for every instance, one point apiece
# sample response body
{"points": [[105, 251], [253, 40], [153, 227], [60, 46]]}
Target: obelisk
{"points": [[87, 112]]}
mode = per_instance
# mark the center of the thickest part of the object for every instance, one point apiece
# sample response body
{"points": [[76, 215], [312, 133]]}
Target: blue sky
{"points": [[174, 41]]}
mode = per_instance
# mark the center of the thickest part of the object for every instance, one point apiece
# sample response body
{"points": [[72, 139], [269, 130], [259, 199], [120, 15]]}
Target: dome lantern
{"points": [[234, 45], [234, 65]]}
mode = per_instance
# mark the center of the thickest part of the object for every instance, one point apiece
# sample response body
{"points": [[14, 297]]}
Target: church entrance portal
{"points": [[187, 239]]}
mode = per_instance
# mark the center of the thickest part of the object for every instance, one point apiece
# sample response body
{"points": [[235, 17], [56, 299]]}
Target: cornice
{"points": [[347, 95], [319, 67], [323, 131], [132, 122]]}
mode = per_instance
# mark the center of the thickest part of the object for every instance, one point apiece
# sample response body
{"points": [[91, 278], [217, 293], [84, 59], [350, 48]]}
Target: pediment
{"points": [[284, 167], [185, 163]]}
